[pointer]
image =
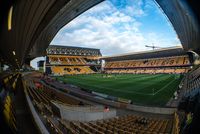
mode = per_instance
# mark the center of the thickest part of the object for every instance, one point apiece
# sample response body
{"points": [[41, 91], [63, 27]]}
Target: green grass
{"points": [[143, 89]]}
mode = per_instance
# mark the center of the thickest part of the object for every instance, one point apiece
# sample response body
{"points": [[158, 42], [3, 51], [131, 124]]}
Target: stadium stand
{"points": [[28, 27], [149, 71], [138, 63], [72, 60], [42, 97], [123, 125], [165, 62], [46, 95], [189, 107], [63, 70], [193, 81]]}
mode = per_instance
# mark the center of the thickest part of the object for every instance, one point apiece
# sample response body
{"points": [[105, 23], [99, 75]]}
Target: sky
{"points": [[119, 26]]}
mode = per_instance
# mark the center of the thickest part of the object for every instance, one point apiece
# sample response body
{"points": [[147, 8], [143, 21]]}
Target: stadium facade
{"points": [[167, 60], [62, 60]]}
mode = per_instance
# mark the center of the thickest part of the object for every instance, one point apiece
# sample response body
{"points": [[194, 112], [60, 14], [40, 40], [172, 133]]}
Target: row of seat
{"points": [[46, 95], [149, 71], [193, 85], [42, 98], [41, 102], [167, 61], [54, 129], [193, 80], [10, 78], [176, 128], [67, 60], [129, 124], [63, 70], [60, 97]]}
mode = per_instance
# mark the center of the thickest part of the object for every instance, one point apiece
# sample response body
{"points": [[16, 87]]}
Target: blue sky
{"points": [[119, 26]]}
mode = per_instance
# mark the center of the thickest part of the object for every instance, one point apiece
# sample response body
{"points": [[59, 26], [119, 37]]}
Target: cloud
{"points": [[111, 27]]}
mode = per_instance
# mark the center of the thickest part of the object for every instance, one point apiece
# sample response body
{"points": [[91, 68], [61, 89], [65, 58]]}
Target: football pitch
{"points": [[142, 89]]}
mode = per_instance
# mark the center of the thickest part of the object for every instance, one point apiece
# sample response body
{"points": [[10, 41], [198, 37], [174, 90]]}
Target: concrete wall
{"points": [[81, 113], [147, 109]]}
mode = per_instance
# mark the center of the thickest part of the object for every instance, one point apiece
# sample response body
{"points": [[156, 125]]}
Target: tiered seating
{"points": [[9, 113], [54, 60], [57, 70], [57, 96], [67, 64], [193, 80], [67, 60], [176, 128], [122, 125], [46, 95], [72, 61], [41, 101], [62, 70], [43, 97], [87, 70], [176, 64], [156, 62], [66, 127], [53, 127], [149, 71]]}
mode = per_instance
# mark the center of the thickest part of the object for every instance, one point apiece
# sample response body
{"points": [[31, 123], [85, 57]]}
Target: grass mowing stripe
{"points": [[100, 87]]}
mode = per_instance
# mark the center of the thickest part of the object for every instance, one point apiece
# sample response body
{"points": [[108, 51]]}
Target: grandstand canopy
{"points": [[72, 51], [185, 18], [165, 52], [34, 24], [27, 27]]}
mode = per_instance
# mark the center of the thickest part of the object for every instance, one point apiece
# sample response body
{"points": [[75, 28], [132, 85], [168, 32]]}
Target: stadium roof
{"points": [[71, 50], [164, 52], [184, 15]]}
